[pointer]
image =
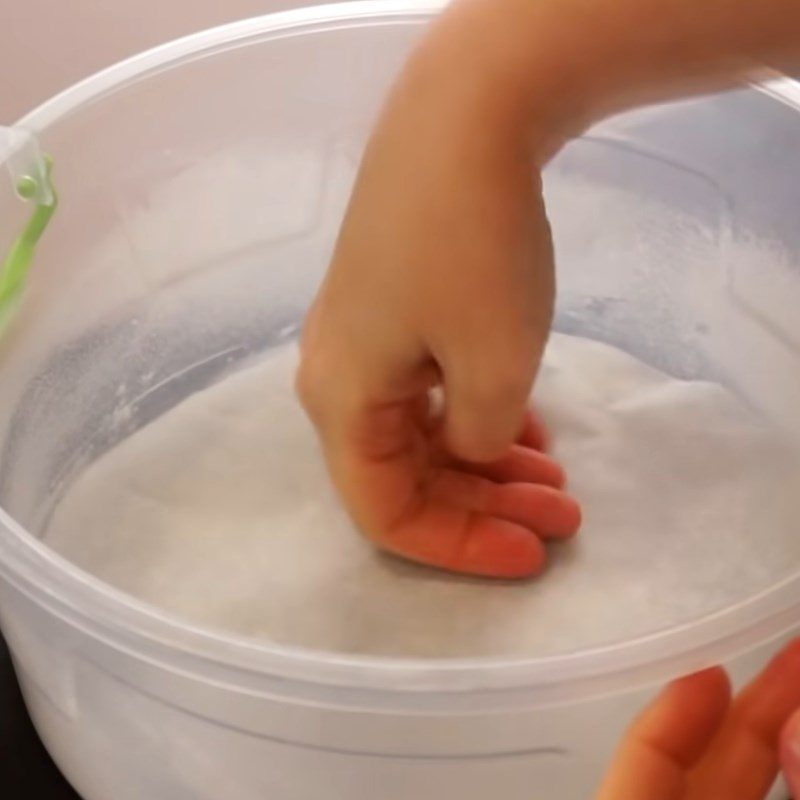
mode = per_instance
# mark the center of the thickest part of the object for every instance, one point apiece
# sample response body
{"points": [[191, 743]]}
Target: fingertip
{"points": [[789, 656], [713, 681], [542, 468], [706, 694], [496, 548], [686, 714], [559, 476], [570, 517]]}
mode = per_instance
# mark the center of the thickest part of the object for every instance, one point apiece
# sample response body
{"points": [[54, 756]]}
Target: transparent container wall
{"points": [[199, 206], [677, 238]]}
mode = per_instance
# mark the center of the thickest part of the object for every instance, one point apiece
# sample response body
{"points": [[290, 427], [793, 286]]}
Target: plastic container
{"points": [[235, 149]]}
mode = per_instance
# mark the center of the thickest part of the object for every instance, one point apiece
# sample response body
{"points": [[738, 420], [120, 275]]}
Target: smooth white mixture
{"points": [[221, 511]]}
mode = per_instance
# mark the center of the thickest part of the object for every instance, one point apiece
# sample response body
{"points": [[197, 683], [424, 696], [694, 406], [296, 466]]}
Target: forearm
{"points": [[652, 49], [554, 66]]}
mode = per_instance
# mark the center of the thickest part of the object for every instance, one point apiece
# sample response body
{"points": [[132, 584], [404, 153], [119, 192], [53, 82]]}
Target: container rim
{"points": [[144, 631]]}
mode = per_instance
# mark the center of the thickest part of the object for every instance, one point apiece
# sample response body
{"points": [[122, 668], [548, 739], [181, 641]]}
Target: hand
{"points": [[442, 276], [790, 753], [695, 743]]}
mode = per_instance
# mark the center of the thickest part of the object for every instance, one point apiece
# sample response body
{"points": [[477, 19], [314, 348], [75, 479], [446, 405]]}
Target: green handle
{"points": [[18, 261]]}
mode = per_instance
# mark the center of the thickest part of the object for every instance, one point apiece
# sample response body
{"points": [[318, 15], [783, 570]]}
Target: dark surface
{"points": [[26, 771]]}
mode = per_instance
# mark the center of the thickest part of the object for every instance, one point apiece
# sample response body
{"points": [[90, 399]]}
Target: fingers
{"points": [[453, 520], [444, 517], [382, 481], [455, 539], [520, 464], [541, 509], [742, 762], [668, 739], [534, 434], [410, 496], [790, 753], [547, 511], [660, 758]]}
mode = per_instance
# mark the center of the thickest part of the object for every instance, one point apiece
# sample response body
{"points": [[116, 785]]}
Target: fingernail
{"points": [[790, 753]]}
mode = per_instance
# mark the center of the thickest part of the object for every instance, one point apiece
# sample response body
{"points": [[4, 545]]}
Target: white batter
{"points": [[221, 511]]}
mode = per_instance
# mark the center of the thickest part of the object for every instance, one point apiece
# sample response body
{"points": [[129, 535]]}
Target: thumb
{"points": [[790, 753], [486, 397], [494, 354]]}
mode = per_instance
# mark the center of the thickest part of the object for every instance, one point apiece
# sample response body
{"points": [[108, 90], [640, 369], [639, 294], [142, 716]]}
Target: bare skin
{"points": [[695, 742], [444, 275]]}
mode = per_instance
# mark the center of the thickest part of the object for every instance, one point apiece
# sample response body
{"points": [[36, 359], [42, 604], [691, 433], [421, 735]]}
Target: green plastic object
{"points": [[19, 258]]}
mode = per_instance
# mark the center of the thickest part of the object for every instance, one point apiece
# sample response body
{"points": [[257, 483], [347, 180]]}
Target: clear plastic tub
{"points": [[235, 149]]}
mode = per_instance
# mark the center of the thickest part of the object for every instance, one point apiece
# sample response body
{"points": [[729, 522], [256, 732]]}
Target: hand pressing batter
{"points": [[437, 245], [443, 272]]}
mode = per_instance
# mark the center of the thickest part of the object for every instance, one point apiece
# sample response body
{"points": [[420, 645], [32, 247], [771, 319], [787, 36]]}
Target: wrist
{"points": [[516, 68]]}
